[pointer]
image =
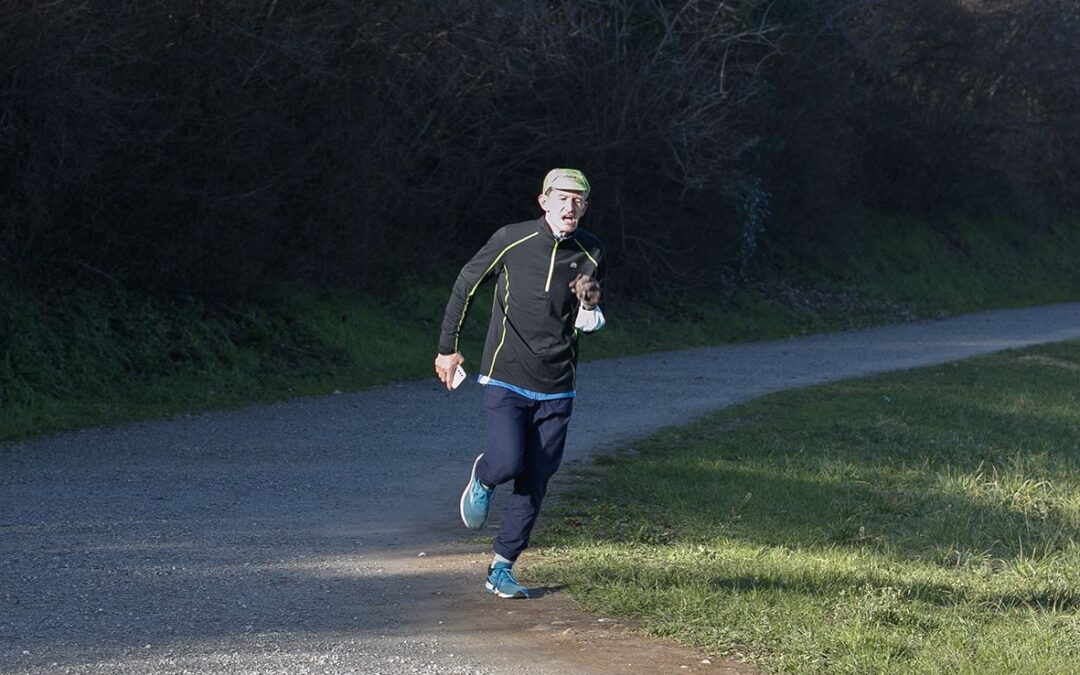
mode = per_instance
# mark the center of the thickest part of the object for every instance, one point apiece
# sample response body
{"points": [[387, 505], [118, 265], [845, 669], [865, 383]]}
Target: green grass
{"points": [[926, 268], [90, 359], [86, 359], [75, 359], [921, 522]]}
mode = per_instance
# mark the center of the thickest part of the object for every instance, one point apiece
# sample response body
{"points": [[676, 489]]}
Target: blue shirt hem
{"points": [[533, 395]]}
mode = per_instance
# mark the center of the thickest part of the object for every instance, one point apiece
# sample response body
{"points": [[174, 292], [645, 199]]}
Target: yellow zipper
{"points": [[551, 268], [506, 313]]}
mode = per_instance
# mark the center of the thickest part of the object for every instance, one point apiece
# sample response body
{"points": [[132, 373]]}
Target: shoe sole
{"points": [[494, 591], [465, 495]]}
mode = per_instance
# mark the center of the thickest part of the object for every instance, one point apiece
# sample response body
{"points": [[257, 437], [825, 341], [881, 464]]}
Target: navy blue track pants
{"points": [[525, 441]]}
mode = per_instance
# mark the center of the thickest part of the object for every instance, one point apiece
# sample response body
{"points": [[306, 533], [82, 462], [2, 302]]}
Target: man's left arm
{"points": [[590, 315]]}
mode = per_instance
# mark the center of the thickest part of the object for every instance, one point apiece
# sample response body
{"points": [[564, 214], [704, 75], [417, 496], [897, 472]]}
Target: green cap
{"points": [[566, 179]]}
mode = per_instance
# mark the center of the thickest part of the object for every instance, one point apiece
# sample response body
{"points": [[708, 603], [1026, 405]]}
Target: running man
{"points": [[547, 276]]}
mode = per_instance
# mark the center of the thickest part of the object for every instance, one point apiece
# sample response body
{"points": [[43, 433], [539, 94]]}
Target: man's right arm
{"points": [[481, 267]]}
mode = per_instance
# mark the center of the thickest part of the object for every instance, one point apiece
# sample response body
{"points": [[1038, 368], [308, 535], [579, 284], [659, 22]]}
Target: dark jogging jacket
{"points": [[531, 341]]}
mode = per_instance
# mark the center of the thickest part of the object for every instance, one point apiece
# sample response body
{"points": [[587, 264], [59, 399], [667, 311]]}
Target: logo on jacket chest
{"points": [[573, 265]]}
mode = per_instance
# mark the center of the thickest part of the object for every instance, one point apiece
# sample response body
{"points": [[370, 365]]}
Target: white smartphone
{"points": [[459, 377]]}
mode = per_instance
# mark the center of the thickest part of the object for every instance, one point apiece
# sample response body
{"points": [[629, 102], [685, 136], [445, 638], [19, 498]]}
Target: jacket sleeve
{"points": [[592, 320], [484, 265]]}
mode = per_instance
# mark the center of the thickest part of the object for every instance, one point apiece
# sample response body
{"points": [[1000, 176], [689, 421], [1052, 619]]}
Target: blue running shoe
{"points": [[475, 500], [501, 582]]}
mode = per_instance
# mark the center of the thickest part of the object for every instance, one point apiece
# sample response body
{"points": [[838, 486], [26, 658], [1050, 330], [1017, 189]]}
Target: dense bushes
{"points": [[931, 106], [213, 149]]}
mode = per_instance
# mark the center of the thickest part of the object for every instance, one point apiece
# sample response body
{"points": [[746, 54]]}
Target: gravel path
{"points": [[320, 535]]}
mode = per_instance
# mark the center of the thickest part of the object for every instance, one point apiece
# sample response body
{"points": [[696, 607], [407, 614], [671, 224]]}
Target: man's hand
{"points": [[587, 290], [445, 365]]}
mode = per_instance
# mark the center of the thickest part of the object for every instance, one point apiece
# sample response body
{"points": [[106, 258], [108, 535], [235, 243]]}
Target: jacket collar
{"points": [[544, 228]]}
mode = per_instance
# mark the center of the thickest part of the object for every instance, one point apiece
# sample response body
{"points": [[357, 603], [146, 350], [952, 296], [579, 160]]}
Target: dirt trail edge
{"points": [[321, 535]]}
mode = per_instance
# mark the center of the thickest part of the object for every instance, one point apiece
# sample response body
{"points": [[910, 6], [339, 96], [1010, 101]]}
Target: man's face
{"points": [[563, 209]]}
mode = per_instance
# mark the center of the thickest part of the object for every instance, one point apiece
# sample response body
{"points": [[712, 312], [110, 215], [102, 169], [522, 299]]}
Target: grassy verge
{"points": [[88, 359], [79, 359], [917, 522], [959, 266]]}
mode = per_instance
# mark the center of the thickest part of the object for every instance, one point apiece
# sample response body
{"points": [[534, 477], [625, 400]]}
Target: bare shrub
{"points": [[213, 149], [930, 107], [216, 149]]}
